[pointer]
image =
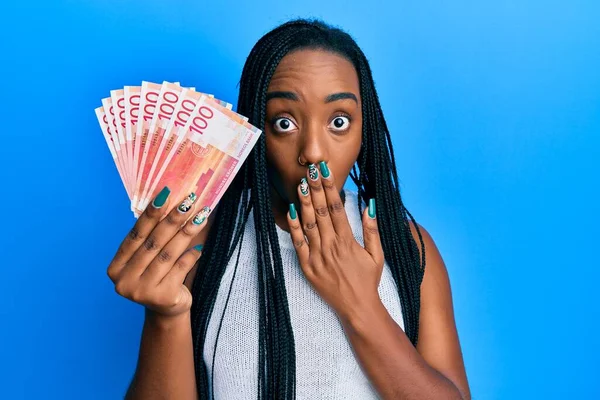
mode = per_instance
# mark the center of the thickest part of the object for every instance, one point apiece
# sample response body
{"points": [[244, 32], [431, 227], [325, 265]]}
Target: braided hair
{"points": [[374, 174]]}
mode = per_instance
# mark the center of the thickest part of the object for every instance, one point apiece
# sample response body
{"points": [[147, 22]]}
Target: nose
{"points": [[314, 146]]}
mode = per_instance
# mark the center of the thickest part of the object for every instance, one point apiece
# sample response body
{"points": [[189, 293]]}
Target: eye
{"points": [[340, 123], [283, 125]]}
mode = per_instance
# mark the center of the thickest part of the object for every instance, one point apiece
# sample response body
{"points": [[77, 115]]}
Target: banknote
{"points": [[132, 107], [168, 98], [148, 100], [118, 101], [118, 140], [162, 134], [207, 151], [102, 120]]}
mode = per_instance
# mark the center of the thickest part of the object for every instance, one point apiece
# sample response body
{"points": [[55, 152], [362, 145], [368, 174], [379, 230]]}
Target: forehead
{"points": [[315, 72]]}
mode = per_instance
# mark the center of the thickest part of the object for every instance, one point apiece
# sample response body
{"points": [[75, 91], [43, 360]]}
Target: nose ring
{"points": [[300, 162]]}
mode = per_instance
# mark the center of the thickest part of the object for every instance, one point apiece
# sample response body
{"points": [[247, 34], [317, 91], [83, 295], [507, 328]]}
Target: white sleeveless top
{"points": [[326, 367]]}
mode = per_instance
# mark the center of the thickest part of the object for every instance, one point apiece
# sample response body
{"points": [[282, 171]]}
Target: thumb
{"points": [[371, 233]]}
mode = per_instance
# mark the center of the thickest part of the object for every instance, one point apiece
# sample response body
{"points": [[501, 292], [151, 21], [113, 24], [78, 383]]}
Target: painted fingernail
{"points": [[198, 247], [187, 203], [372, 210], [313, 173], [161, 198], [304, 187], [293, 213], [201, 216], [324, 169]]}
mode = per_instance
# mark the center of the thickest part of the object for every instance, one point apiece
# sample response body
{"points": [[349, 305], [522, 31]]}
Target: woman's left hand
{"points": [[345, 274]]}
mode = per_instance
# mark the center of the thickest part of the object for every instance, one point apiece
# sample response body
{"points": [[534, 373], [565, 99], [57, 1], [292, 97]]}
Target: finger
{"points": [[168, 255], [307, 213], [297, 234], [319, 202], [337, 212], [160, 236], [371, 233], [140, 232], [182, 267]]}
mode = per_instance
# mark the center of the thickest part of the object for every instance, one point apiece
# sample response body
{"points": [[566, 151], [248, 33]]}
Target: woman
{"points": [[301, 289]]}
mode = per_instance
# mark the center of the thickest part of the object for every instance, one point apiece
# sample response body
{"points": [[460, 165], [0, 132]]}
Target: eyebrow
{"points": [[329, 99], [341, 96]]}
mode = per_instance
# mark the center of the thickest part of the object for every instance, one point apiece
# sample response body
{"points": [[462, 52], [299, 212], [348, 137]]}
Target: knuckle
{"points": [[322, 211], [173, 218], [188, 231], [336, 207], [139, 295], [316, 187], [295, 227], [183, 263], [328, 184], [164, 256], [151, 243], [309, 226], [112, 273], [372, 230], [134, 234], [299, 243], [305, 201], [122, 288]]}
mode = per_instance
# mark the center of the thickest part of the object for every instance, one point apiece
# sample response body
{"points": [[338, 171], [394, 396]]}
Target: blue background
{"points": [[494, 109]]}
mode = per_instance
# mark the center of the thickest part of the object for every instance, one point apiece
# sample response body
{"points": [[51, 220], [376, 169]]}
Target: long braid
{"points": [[250, 191]]}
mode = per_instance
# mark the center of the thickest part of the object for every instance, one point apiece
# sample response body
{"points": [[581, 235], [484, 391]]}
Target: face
{"points": [[313, 114]]}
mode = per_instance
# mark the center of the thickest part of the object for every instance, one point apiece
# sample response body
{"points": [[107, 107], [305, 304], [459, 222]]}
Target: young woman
{"points": [[295, 287]]}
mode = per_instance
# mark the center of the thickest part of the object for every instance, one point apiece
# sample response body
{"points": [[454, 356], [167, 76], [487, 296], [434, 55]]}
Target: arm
{"points": [[166, 360], [435, 369]]}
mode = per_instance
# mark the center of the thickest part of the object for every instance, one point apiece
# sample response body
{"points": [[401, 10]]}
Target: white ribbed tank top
{"points": [[326, 367]]}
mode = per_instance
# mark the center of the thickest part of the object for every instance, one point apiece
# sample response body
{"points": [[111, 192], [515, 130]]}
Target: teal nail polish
{"points": [[313, 172], [161, 198], [293, 213], [324, 169], [304, 187], [198, 247], [372, 211]]}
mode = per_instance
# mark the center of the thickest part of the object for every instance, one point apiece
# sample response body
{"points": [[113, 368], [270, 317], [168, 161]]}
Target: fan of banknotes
{"points": [[168, 135]]}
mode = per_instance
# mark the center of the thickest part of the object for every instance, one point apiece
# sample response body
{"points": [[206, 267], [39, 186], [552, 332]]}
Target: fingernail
{"points": [[324, 169], [313, 173], [198, 247], [293, 214], [372, 208], [187, 203], [161, 198], [201, 216], [304, 187]]}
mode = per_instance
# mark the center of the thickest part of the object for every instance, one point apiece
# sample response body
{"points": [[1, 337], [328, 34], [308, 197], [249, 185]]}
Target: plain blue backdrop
{"points": [[494, 108]]}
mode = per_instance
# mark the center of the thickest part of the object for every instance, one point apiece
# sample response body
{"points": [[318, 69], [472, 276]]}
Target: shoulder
{"points": [[435, 277]]}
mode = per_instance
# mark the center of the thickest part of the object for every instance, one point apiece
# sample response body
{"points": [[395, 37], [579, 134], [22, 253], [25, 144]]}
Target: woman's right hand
{"points": [[153, 261]]}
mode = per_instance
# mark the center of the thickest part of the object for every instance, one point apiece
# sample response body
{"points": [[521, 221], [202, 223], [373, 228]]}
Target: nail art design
{"points": [[304, 187], [201, 216], [313, 172], [187, 203]]}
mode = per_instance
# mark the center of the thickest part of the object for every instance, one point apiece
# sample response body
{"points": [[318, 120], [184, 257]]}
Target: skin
{"points": [[154, 264]]}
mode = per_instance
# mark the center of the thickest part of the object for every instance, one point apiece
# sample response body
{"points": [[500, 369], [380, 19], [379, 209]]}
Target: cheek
{"points": [[279, 156]]}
